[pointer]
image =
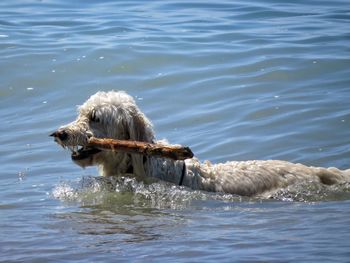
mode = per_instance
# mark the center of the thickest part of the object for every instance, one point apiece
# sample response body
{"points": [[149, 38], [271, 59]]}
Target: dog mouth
{"points": [[82, 152], [79, 152]]}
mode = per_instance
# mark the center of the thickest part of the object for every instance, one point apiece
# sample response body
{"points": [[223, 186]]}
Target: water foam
{"points": [[125, 191]]}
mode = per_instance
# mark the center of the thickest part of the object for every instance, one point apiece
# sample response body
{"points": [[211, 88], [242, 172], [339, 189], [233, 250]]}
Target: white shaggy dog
{"points": [[115, 115]]}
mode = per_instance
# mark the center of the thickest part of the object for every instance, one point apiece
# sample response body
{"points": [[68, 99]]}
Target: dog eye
{"points": [[93, 117]]}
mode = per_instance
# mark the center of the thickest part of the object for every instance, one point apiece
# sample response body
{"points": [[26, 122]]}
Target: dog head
{"points": [[107, 115]]}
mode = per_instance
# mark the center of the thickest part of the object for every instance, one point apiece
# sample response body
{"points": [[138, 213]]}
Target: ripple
{"points": [[233, 80]]}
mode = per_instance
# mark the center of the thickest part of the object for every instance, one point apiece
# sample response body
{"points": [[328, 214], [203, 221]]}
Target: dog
{"points": [[115, 115]]}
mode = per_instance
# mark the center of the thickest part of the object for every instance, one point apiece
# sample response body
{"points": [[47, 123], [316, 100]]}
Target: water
{"points": [[233, 80]]}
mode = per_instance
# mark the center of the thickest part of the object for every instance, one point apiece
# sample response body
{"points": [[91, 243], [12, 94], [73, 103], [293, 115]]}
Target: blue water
{"points": [[233, 80]]}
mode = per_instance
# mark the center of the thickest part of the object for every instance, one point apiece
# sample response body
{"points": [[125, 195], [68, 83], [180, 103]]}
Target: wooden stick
{"points": [[150, 149]]}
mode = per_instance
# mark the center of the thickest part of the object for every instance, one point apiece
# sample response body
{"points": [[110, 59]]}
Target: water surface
{"points": [[233, 80]]}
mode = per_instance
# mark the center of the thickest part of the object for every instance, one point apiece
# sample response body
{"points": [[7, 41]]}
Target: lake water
{"points": [[234, 80]]}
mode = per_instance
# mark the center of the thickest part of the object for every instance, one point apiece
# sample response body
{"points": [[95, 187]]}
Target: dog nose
{"points": [[62, 135]]}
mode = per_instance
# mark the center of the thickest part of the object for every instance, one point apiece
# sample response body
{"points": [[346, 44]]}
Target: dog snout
{"points": [[60, 134]]}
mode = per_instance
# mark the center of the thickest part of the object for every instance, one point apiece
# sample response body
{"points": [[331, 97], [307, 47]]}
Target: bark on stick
{"points": [[175, 152]]}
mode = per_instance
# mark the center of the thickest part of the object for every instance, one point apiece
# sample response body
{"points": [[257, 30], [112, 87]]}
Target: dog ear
{"points": [[142, 129], [138, 128]]}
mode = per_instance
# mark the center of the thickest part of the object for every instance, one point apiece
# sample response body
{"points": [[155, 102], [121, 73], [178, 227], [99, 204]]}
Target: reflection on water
{"points": [[128, 225], [123, 207], [115, 214]]}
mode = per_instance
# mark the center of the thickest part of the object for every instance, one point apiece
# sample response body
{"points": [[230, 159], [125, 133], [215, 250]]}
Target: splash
{"points": [[128, 192], [310, 192], [125, 191], [64, 191]]}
